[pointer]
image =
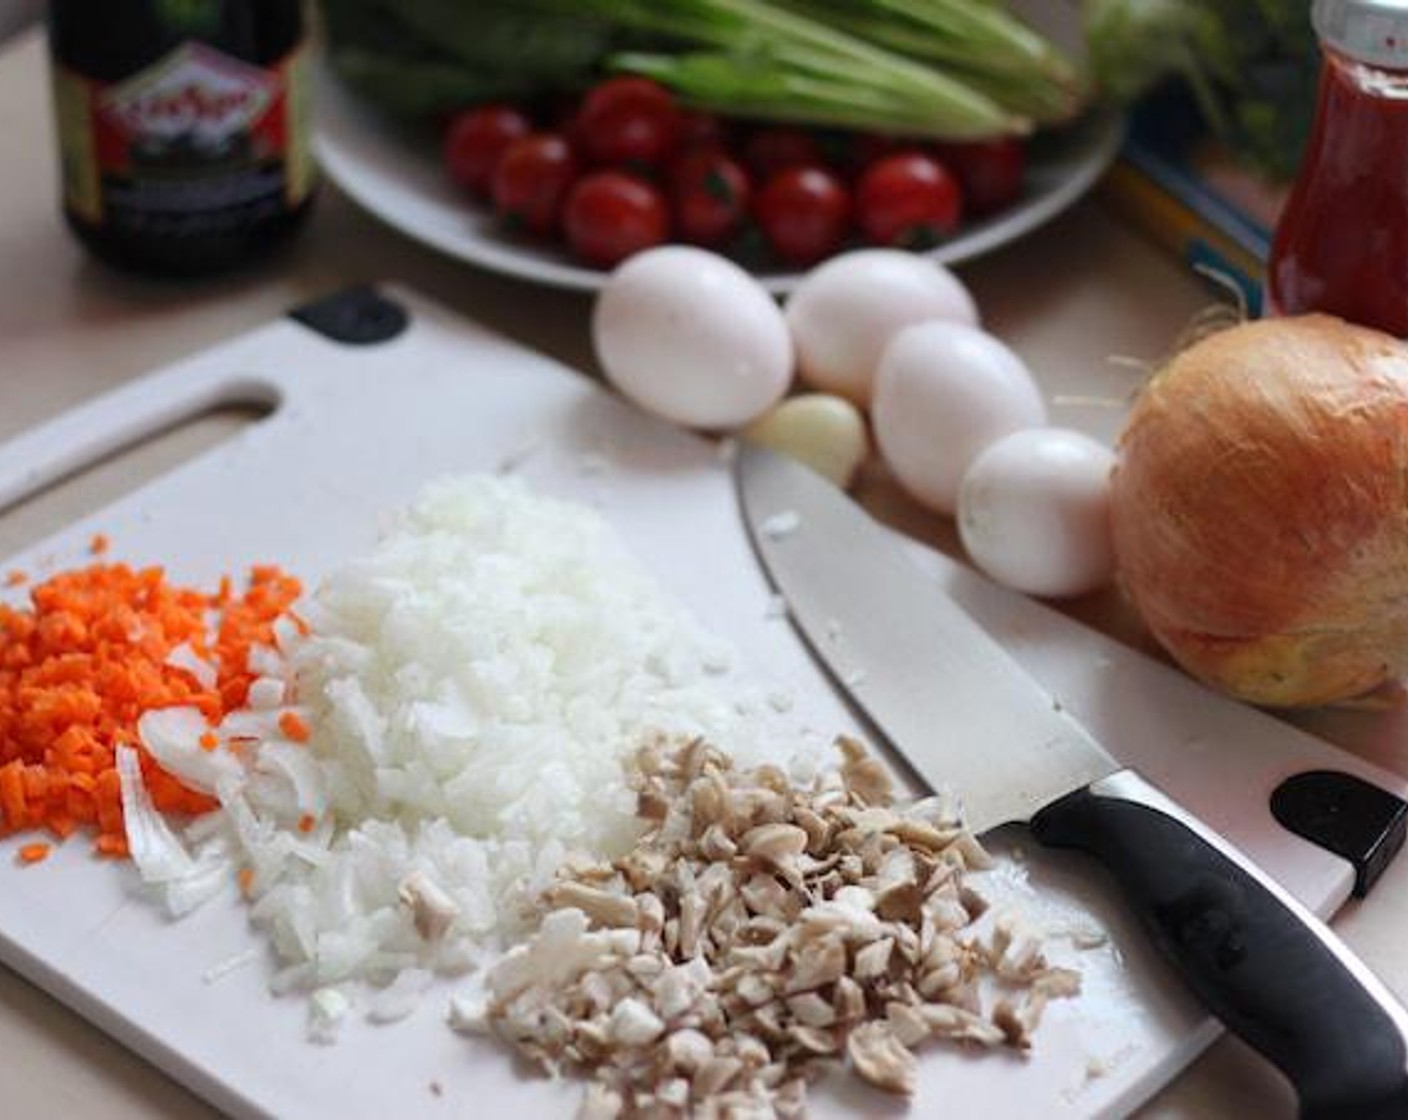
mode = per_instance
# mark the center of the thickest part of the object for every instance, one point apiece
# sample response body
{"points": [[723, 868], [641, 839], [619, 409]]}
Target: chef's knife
{"points": [[964, 714]]}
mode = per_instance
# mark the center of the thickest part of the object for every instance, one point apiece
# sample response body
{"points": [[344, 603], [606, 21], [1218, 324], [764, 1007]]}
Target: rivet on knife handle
{"points": [[1270, 970]]}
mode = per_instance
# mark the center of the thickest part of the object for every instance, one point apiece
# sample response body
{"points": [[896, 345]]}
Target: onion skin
{"points": [[1259, 509]]}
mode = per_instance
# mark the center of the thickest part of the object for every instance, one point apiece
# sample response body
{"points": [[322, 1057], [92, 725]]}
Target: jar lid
{"points": [[1372, 31]]}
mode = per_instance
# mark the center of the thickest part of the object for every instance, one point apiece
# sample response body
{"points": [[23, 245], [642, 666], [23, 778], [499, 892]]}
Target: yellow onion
{"points": [[1260, 510]]}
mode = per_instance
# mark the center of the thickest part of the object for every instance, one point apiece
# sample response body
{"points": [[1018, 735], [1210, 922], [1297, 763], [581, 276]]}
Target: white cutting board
{"points": [[357, 431]]}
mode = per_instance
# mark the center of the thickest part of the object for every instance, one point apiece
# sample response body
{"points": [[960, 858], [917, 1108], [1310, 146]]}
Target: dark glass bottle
{"points": [[184, 128]]}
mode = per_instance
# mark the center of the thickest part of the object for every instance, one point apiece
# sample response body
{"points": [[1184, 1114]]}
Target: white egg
{"points": [[845, 312], [1034, 512], [690, 336], [944, 392], [825, 432]]}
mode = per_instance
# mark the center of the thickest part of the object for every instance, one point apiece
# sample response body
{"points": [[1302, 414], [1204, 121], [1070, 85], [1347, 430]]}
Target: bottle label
{"points": [[197, 143]]}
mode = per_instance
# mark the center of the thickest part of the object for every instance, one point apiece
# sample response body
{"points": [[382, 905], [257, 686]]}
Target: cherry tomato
{"points": [[709, 195], [532, 179], [700, 129], [476, 139], [857, 151], [805, 214], [992, 172], [612, 214], [628, 121], [907, 200], [775, 148], [868, 148], [567, 122]]}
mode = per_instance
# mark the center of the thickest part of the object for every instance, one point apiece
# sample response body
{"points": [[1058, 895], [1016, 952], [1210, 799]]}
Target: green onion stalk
{"points": [[752, 58], [980, 43]]}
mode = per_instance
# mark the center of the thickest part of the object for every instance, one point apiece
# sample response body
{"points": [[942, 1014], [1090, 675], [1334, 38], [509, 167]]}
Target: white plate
{"points": [[395, 174]]}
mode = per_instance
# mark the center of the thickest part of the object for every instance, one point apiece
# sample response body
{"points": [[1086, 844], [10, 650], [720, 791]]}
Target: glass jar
{"points": [[1341, 245]]}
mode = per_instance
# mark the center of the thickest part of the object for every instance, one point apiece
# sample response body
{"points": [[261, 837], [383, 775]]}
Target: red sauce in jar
{"points": [[1342, 243]]}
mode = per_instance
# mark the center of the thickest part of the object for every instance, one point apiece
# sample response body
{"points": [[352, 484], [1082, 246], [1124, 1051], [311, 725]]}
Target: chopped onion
{"points": [[172, 736], [468, 1013], [326, 1012], [401, 997], [209, 875], [265, 661], [303, 773], [186, 658], [230, 964], [267, 693], [160, 857], [473, 686], [248, 725]]}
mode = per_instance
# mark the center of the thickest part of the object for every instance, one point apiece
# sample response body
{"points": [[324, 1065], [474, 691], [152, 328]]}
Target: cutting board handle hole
{"points": [[76, 479]]}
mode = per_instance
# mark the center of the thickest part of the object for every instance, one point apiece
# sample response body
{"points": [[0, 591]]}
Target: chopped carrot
{"points": [[245, 878], [209, 741], [81, 664], [34, 853], [307, 822], [12, 799], [15, 578], [293, 726], [99, 544]]}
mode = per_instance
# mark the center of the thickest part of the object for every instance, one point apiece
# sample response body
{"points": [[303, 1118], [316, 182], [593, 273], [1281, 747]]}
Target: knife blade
{"points": [[963, 713]]}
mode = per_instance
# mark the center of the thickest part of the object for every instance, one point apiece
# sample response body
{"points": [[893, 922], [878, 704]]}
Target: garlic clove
{"points": [[825, 432]]}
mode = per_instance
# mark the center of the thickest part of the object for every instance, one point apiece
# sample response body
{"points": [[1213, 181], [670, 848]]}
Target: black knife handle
{"points": [[1260, 961]]}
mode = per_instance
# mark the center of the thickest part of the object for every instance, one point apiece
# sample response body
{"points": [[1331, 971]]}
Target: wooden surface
{"points": [[1070, 298]]}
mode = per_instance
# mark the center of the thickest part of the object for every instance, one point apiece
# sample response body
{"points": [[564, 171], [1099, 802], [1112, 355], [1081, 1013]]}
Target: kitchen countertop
{"points": [[1069, 298]]}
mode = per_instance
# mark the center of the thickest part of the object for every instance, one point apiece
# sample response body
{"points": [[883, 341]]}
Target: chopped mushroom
{"points": [[432, 910], [600, 1103], [880, 1058], [634, 1024], [602, 906], [757, 930]]}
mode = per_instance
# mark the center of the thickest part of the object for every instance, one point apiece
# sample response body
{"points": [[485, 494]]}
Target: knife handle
{"points": [[1259, 960]]}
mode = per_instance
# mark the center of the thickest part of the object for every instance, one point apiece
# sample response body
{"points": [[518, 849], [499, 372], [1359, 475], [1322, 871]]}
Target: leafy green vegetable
{"points": [[770, 61], [507, 35], [422, 57], [947, 68], [1251, 65], [981, 43], [423, 87]]}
